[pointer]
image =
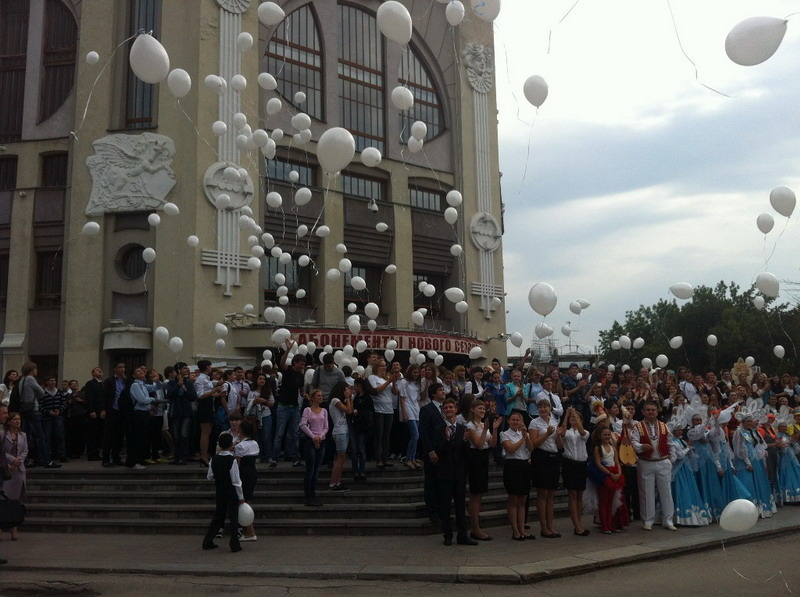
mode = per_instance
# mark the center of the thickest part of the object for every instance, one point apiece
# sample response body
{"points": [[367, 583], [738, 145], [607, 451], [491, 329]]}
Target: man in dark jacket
{"points": [[118, 416], [95, 396], [181, 393], [431, 428]]}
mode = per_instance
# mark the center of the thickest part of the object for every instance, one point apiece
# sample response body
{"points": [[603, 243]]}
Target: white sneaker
{"points": [[137, 467], [670, 527], [647, 526], [246, 538]]}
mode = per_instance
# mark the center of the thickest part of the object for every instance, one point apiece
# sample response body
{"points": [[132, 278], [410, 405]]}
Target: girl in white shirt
{"points": [[409, 390], [480, 441], [573, 465], [517, 446]]}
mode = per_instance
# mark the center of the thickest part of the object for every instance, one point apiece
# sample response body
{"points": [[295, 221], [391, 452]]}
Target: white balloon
{"points": [[171, 209], [276, 252], [749, 361], [361, 346], [312, 347], [575, 307], [462, 307], [301, 121], [280, 279], [394, 21], [372, 310], [341, 248], [213, 83], [277, 135], [454, 13], [148, 59], [739, 516], [415, 145], [676, 342], [566, 330], [154, 220], [388, 355], [372, 325], [254, 263], [303, 260], [662, 360], [354, 326], [417, 318], [454, 198], [92, 57], [758, 302], [475, 352], [192, 240], [615, 345], [418, 130], [754, 40], [391, 268], [283, 300], [267, 81], [438, 360], [244, 43], [767, 284], [90, 229], [270, 14], [274, 106], [299, 97], [782, 200], [429, 290], [220, 344], [274, 200], [765, 222], [456, 250], [335, 149], [579, 376], [403, 99], [451, 215], [220, 329], [712, 340], [779, 351], [625, 368], [302, 196], [516, 339], [345, 265], [542, 298], [682, 290], [219, 128], [261, 138], [486, 10], [647, 363], [381, 227], [333, 274], [392, 344], [280, 335], [161, 334], [175, 344], [248, 308], [583, 303], [625, 342], [299, 293], [638, 343], [454, 294], [149, 255], [179, 82], [358, 283], [542, 330], [268, 240], [323, 231], [371, 156], [535, 90]]}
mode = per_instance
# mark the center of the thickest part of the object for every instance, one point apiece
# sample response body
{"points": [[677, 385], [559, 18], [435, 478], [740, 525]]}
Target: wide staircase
{"points": [[84, 497]]}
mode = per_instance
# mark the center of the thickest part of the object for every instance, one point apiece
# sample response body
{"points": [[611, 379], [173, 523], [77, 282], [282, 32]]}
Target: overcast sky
{"points": [[637, 176]]}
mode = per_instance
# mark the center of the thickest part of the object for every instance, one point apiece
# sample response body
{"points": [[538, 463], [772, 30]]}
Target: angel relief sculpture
{"points": [[130, 173]]}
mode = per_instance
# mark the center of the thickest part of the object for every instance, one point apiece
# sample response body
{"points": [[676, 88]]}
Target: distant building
{"points": [[84, 142]]}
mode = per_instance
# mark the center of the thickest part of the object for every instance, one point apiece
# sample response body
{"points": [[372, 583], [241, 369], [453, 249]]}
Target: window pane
{"points": [[289, 270], [427, 105], [13, 52], [48, 278], [294, 58], [58, 60], [355, 186], [145, 15], [279, 170], [424, 199]]}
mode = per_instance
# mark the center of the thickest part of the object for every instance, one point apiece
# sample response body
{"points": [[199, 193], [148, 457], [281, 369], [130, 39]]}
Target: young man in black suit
{"points": [[431, 428]]}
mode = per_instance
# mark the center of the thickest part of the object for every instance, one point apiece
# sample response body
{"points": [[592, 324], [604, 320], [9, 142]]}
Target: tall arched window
{"points": [[58, 58], [361, 80], [294, 58], [427, 104], [14, 16]]}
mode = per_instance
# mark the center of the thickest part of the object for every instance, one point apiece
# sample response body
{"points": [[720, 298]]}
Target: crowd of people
{"points": [[659, 446]]}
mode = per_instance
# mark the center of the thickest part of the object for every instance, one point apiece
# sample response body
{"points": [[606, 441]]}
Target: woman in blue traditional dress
{"points": [[709, 470], [750, 453], [788, 467], [691, 509]]}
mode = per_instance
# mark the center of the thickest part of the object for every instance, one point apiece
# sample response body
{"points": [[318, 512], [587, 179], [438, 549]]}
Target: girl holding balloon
{"points": [[750, 454]]}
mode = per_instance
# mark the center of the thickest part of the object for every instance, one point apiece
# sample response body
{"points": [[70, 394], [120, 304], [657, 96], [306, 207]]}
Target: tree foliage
{"points": [[740, 328]]}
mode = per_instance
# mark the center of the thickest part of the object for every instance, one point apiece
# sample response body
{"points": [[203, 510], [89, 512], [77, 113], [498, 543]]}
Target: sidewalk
{"points": [[411, 558]]}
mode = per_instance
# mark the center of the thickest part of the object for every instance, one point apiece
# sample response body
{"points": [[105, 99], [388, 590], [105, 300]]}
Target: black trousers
{"points": [[139, 438], [455, 492], [226, 506], [94, 436], [114, 436], [431, 488], [76, 435]]}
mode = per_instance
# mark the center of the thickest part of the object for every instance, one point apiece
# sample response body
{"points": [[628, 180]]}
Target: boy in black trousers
{"points": [[224, 470]]}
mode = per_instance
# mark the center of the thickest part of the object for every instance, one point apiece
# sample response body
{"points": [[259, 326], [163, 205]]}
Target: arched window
{"points": [[294, 58], [427, 104], [58, 58], [14, 15], [361, 80]]}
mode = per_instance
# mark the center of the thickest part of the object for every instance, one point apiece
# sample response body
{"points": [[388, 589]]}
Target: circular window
{"points": [[130, 263]]}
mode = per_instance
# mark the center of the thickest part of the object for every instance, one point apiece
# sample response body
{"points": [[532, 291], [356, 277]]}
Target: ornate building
{"points": [[86, 140]]}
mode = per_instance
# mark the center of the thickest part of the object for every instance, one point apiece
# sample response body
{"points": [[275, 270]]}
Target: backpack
{"points": [[15, 400]]}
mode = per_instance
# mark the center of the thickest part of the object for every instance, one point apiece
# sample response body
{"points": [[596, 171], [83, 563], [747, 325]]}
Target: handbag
{"points": [[12, 512]]}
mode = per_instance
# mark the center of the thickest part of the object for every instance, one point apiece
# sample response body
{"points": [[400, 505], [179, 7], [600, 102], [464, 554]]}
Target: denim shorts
{"points": [[341, 439]]}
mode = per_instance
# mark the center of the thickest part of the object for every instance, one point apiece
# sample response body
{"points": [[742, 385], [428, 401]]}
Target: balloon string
{"points": [[740, 575], [97, 79], [196, 130], [775, 246], [508, 73], [791, 15], [785, 333], [528, 155], [680, 45], [561, 20]]}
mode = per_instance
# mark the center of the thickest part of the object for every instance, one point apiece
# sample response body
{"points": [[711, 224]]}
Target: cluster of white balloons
{"points": [[783, 200]]}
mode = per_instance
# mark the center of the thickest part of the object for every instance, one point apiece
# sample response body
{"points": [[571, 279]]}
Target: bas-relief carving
{"points": [[130, 173], [234, 6], [479, 63], [485, 231], [215, 184]]}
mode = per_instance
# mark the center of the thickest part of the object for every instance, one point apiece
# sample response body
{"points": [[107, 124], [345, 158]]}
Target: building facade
{"points": [[87, 141]]}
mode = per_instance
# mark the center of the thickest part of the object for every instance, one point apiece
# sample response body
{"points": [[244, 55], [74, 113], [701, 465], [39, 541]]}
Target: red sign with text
{"points": [[378, 340]]}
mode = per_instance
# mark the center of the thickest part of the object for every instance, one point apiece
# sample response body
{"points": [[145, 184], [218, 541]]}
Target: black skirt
{"points": [[248, 475], [478, 470], [205, 411], [574, 474], [546, 469], [517, 476]]}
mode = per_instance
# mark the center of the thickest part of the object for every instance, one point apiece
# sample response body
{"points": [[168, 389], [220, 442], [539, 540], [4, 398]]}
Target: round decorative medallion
{"points": [[216, 184], [485, 231], [234, 6]]}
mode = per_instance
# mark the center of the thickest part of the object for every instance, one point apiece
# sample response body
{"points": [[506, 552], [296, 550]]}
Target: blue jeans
{"points": [[358, 450], [53, 429], [265, 437], [413, 430], [288, 422], [32, 425], [314, 457], [182, 434]]}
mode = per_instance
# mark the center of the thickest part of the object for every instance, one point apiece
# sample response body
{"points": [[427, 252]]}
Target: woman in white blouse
{"points": [[517, 447], [480, 440], [573, 465], [546, 464]]}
